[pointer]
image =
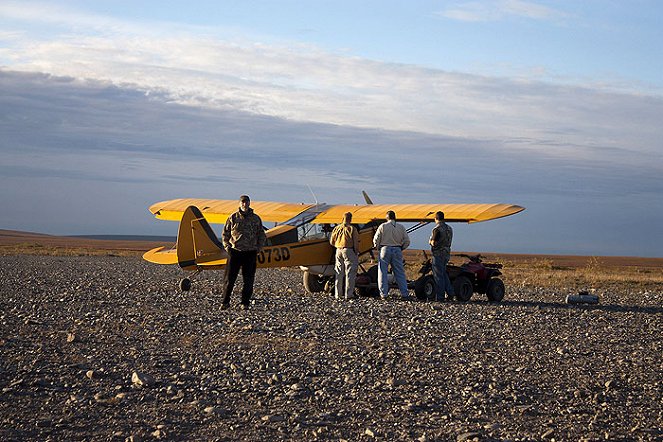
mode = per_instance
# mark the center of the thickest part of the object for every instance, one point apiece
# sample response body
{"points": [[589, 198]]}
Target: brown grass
{"points": [[26, 243], [585, 272], [592, 275], [519, 270]]}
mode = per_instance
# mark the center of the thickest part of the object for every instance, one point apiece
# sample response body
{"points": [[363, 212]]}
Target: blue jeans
{"points": [[442, 282], [391, 255]]}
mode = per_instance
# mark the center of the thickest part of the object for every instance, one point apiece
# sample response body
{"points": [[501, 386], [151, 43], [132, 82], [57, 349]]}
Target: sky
{"points": [[107, 107]]}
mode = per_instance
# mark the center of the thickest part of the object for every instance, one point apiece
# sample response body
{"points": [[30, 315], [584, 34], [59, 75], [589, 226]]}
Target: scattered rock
{"points": [[142, 379], [302, 367], [273, 418]]}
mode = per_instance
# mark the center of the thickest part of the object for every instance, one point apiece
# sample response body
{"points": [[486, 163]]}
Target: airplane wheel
{"points": [[185, 284], [314, 283], [463, 288], [424, 288], [495, 290]]}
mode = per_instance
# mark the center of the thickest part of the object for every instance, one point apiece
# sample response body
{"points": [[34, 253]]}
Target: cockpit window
{"points": [[314, 231]]}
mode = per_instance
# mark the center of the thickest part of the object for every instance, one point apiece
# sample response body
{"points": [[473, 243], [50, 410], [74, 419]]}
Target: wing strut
{"points": [[418, 226]]}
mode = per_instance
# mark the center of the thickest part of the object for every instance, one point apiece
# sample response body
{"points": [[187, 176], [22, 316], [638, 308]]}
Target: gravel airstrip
{"points": [[107, 348]]}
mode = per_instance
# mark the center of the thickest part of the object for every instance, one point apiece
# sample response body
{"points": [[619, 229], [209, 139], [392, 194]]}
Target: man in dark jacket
{"points": [[440, 242], [243, 238]]}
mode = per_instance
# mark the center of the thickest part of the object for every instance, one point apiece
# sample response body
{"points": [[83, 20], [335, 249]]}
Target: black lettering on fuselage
{"points": [[274, 254]]}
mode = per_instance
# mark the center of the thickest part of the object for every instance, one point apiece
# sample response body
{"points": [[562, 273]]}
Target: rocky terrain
{"points": [[107, 348]]}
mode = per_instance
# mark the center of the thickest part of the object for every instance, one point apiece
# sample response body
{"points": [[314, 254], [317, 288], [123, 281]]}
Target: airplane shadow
{"points": [[615, 308]]}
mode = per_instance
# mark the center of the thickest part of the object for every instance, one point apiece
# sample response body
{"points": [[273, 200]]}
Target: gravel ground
{"points": [[108, 349]]}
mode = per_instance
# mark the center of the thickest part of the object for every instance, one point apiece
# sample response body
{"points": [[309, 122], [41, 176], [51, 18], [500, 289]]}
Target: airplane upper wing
{"points": [[217, 211], [469, 213]]}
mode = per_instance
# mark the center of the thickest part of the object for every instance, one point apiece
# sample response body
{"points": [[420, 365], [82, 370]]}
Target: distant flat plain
{"points": [[18, 242], [520, 270]]}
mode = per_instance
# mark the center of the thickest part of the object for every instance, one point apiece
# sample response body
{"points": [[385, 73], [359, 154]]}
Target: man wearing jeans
{"points": [[243, 237], [346, 240], [391, 239], [440, 245]]}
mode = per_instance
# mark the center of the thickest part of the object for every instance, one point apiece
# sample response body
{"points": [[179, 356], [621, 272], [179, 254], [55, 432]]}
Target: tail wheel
{"points": [[495, 290], [424, 288], [185, 284], [314, 283], [463, 288]]}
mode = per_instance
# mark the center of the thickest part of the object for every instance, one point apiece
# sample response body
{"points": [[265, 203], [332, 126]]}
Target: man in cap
{"points": [[345, 238], [391, 239], [440, 244], [243, 237]]}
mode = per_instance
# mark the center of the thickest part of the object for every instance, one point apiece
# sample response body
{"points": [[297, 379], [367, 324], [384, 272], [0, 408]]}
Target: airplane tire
{"points": [[463, 288], [495, 290], [424, 288], [314, 283], [185, 284]]}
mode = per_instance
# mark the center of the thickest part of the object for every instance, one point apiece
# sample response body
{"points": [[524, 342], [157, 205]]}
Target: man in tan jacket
{"points": [[345, 238]]}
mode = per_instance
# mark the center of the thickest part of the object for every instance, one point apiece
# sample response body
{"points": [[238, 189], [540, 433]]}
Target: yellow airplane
{"points": [[300, 237]]}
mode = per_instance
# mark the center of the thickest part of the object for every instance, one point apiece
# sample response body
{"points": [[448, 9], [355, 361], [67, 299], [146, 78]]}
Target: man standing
{"points": [[440, 242], [243, 237], [390, 240], [346, 240]]}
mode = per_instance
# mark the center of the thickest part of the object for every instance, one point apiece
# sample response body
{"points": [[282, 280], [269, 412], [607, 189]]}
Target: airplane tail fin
{"points": [[196, 241]]}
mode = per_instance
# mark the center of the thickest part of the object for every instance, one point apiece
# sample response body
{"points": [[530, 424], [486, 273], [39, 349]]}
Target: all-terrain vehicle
{"points": [[473, 276]]}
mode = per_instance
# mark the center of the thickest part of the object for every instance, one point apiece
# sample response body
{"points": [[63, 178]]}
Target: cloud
{"points": [[93, 156], [496, 10], [101, 118], [313, 86], [198, 68]]}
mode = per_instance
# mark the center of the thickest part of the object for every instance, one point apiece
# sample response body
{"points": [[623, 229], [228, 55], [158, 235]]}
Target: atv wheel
{"points": [[185, 284], [424, 288], [314, 283], [463, 288], [495, 290]]}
